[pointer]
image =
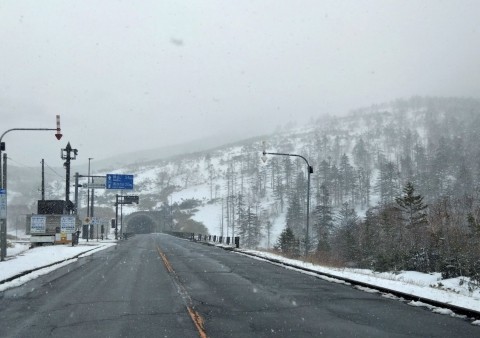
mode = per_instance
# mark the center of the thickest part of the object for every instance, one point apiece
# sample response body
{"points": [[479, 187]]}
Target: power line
{"points": [[20, 164], [32, 167], [53, 170]]}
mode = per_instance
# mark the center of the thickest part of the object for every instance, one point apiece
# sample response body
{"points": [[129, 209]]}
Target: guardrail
{"points": [[232, 241]]}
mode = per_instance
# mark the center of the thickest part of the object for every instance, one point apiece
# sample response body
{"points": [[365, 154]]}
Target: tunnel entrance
{"points": [[141, 224]]}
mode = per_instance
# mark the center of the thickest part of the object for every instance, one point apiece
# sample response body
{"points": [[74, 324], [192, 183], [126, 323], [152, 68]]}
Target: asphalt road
{"points": [[160, 286]]}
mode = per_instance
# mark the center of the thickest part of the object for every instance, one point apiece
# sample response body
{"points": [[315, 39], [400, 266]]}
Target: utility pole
{"points": [[88, 188], [3, 216], [4, 172], [91, 212], [43, 179], [76, 193], [92, 198], [116, 216], [67, 155]]}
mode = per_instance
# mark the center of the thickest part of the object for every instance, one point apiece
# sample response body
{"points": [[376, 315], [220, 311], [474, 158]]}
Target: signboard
{"points": [[130, 199], [67, 224], [45, 207], [120, 182], [3, 204], [38, 224], [94, 186]]}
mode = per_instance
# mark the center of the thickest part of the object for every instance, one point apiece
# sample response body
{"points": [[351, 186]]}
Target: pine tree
{"points": [[249, 228], [295, 214], [387, 183], [287, 243], [361, 157], [414, 242], [346, 222], [279, 191], [412, 207], [323, 219]]}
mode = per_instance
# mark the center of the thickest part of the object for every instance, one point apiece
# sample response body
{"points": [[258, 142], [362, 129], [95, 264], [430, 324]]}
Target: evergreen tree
{"points": [[287, 243], [412, 207], [347, 179], [361, 157], [250, 229], [346, 222], [387, 183], [413, 239], [369, 237], [440, 169], [279, 191], [295, 215], [323, 219]]}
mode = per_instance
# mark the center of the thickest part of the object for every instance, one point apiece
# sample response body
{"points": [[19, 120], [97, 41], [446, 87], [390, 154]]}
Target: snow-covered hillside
{"points": [[359, 161]]}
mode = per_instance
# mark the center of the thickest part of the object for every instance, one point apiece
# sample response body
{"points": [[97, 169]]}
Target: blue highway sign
{"points": [[119, 182]]}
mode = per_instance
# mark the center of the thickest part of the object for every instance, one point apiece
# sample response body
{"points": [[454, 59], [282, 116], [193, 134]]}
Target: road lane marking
{"points": [[165, 261], [198, 321], [194, 315]]}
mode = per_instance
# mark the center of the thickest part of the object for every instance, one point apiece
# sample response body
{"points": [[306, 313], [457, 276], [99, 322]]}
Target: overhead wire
{"points": [[23, 165], [19, 163], [53, 170]]}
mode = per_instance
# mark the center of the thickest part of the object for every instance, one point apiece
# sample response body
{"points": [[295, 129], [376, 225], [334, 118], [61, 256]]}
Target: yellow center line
{"points": [[198, 321], [194, 315], [165, 261]]}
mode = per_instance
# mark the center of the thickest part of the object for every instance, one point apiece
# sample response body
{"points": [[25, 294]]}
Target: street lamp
{"points": [[58, 135], [309, 171], [3, 185]]}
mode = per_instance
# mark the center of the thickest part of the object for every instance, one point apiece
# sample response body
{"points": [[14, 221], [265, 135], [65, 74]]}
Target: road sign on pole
{"points": [[119, 182]]}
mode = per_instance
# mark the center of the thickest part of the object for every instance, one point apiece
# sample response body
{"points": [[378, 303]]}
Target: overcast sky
{"points": [[135, 75]]}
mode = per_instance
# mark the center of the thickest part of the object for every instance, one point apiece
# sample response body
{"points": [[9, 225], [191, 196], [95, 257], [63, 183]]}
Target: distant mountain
{"points": [[158, 153], [362, 159], [394, 186]]}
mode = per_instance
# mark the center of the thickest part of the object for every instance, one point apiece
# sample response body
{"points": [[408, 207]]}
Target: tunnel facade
{"points": [[142, 222]]}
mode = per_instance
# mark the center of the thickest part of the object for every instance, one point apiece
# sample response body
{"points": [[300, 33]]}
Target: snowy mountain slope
{"points": [[234, 179]]}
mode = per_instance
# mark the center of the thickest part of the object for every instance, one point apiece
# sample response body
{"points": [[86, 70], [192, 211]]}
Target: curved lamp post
{"points": [[58, 135], [309, 171], [3, 184]]}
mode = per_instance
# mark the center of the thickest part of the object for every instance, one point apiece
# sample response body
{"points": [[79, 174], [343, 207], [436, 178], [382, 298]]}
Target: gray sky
{"points": [[134, 75]]}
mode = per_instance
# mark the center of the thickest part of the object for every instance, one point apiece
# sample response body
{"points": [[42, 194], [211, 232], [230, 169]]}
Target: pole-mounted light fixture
{"points": [[309, 171], [3, 183]]}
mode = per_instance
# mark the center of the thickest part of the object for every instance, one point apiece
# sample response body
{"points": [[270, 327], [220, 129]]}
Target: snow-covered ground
{"points": [[427, 286], [454, 291], [20, 259]]}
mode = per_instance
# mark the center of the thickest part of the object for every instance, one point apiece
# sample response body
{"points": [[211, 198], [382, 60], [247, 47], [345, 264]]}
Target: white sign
{"points": [[67, 224], [38, 224], [3, 204]]}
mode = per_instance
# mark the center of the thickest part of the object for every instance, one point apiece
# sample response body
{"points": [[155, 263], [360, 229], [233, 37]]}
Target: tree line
{"points": [[412, 171]]}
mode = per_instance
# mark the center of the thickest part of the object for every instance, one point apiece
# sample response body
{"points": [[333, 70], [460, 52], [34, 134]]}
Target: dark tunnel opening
{"points": [[141, 224]]}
